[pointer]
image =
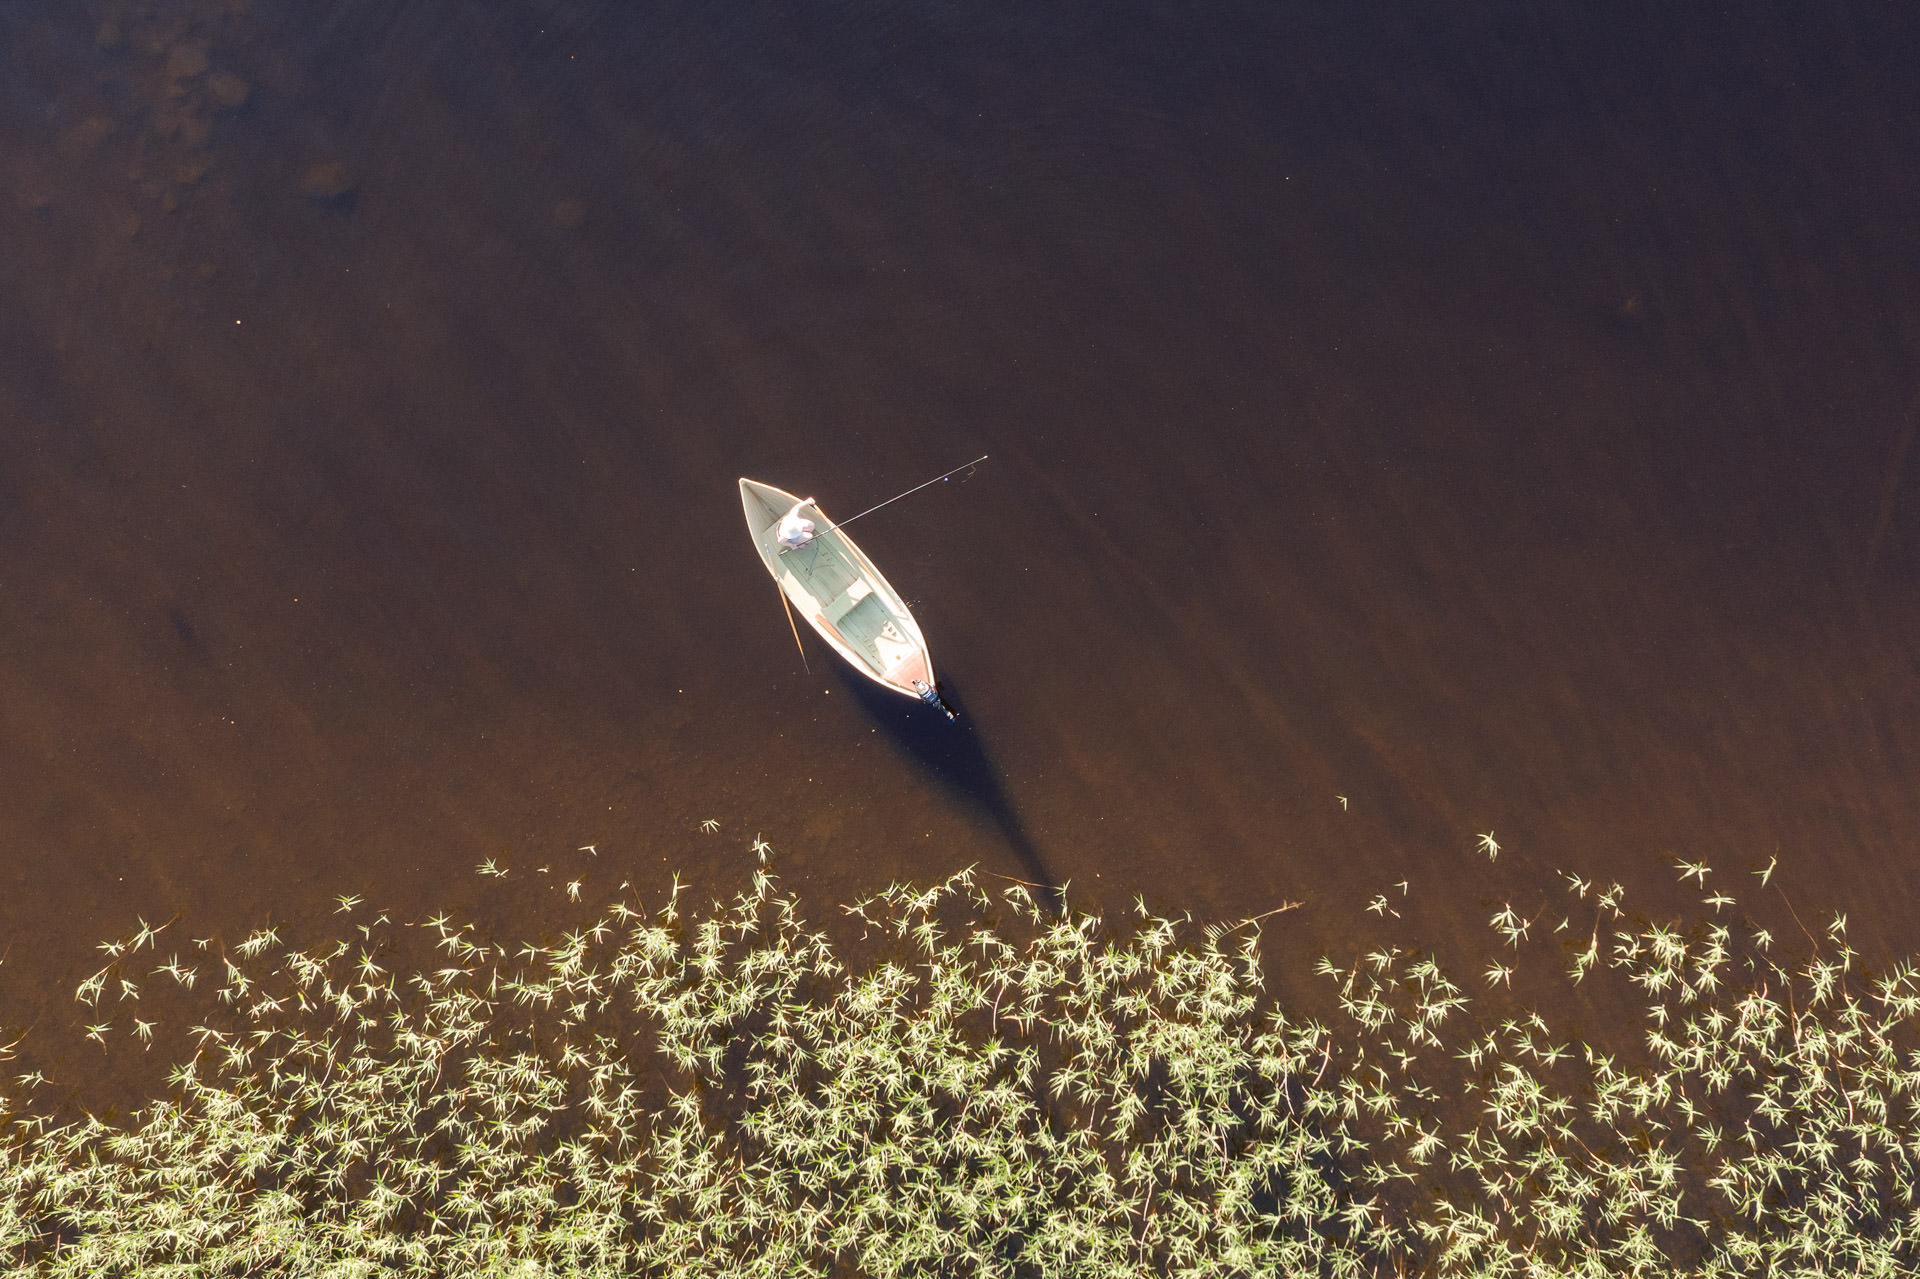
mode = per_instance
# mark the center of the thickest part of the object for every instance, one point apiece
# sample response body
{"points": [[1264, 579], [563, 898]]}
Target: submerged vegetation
{"points": [[999, 1092]]}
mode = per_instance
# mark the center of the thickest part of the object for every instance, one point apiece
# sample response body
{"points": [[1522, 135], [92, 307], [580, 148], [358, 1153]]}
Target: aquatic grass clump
{"points": [[1768, 1125], [717, 1095], [999, 1092]]}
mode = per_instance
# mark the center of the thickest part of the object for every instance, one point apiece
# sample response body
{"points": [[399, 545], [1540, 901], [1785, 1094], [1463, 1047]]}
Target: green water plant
{"points": [[991, 1090]]}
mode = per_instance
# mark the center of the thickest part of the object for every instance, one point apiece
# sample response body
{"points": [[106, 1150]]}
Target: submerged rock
{"points": [[195, 128], [328, 182], [77, 141], [228, 89], [187, 60]]}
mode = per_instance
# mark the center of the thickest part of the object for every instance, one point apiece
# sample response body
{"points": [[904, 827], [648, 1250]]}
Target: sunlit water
{"points": [[1401, 430]]}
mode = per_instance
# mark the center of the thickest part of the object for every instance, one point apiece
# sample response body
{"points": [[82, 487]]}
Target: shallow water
{"points": [[1400, 430]]}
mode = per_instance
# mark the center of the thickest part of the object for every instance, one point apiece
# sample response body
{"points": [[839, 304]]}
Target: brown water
{"points": [[1495, 420]]}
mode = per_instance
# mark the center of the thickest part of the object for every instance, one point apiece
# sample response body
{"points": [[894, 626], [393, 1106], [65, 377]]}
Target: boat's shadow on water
{"points": [[955, 756]]}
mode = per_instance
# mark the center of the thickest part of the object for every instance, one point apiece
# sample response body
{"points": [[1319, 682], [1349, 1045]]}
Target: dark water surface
{"points": [[1493, 415]]}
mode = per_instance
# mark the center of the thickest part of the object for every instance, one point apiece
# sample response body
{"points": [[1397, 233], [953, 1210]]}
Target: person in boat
{"points": [[795, 532]]}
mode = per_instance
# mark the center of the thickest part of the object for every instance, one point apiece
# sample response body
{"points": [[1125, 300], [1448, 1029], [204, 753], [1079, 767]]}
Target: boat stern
{"points": [[911, 672]]}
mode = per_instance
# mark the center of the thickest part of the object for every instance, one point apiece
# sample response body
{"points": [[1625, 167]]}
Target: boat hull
{"points": [[844, 597]]}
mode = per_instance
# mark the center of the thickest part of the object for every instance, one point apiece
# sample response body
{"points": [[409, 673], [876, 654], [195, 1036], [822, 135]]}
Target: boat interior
{"points": [[847, 601]]}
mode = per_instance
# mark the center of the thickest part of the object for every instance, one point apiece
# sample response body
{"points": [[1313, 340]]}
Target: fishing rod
{"points": [[910, 492], [895, 498]]}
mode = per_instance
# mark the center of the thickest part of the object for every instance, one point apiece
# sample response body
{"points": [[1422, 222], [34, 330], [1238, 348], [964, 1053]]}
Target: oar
{"points": [[889, 502], [796, 630]]}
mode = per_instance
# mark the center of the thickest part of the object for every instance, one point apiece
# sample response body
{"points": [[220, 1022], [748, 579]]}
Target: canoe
{"points": [[833, 584]]}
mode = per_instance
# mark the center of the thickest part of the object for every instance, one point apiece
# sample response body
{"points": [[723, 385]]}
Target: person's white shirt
{"points": [[795, 532]]}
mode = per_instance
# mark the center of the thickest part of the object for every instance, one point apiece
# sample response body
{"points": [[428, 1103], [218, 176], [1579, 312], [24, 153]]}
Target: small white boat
{"points": [[831, 582]]}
